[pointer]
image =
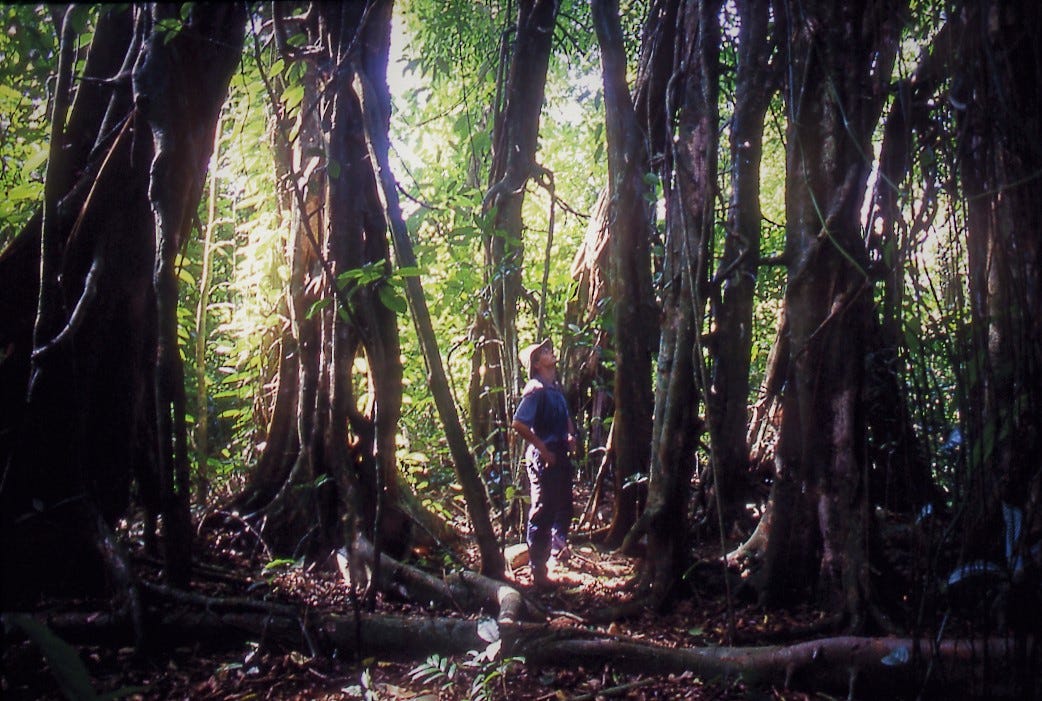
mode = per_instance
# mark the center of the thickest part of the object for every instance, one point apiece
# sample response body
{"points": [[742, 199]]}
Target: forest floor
{"points": [[592, 580]]}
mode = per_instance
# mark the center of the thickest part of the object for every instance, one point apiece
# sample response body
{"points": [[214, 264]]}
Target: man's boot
{"points": [[539, 576]]}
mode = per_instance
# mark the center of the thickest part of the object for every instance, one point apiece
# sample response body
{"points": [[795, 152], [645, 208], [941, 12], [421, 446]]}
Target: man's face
{"points": [[546, 361]]}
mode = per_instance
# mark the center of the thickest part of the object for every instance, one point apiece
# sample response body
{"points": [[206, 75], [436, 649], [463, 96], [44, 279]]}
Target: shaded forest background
{"points": [[257, 278]]}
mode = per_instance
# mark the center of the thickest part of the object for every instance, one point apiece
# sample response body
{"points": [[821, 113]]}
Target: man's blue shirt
{"points": [[543, 409]]}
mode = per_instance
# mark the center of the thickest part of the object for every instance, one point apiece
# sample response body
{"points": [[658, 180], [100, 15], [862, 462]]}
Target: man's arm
{"points": [[528, 434]]}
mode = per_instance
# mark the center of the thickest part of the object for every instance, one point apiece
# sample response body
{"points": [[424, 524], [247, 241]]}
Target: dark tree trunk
{"points": [[900, 475], [997, 93], [360, 438], [734, 284], [590, 381], [182, 113], [858, 667], [689, 192], [842, 59], [334, 474], [630, 221], [80, 419], [494, 387], [377, 110]]}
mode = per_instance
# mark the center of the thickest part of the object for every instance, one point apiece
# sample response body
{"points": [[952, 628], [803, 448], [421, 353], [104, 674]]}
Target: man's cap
{"points": [[529, 352]]}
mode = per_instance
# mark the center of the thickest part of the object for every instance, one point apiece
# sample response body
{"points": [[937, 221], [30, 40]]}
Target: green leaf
{"points": [[65, 664], [318, 306], [9, 93], [392, 299], [279, 562], [26, 191], [35, 159], [293, 95]]}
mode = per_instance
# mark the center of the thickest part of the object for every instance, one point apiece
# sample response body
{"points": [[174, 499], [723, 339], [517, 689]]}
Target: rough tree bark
{"points": [[281, 489], [182, 113], [588, 378], [734, 283], [996, 94], [630, 221], [495, 375], [377, 108], [81, 412], [689, 193], [338, 475], [841, 59], [587, 337]]}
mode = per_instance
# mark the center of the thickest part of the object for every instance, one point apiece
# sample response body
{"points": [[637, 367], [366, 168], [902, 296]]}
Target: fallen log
{"points": [[463, 591], [855, 666]]}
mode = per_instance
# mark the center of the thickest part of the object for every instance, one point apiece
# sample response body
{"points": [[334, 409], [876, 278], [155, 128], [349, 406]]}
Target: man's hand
{"points": [[529, 435]]}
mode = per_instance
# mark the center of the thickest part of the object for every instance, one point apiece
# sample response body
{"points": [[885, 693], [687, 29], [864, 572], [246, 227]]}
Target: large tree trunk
{"points": [[589, 379], [281, 489], [340, 471], [630, 221], [689, 215], [841, 58], [182, 113], [329, 471], [997, 95], [83, 419]]}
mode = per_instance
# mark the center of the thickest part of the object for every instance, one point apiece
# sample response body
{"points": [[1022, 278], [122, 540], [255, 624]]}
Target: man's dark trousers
{"points": [[551, 511]]}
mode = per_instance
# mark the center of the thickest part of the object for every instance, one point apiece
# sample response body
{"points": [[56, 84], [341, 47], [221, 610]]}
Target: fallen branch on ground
{"points": [[850, 665]]}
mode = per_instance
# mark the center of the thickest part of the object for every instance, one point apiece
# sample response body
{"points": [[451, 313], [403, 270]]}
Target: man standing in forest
{"points": [[542, 419]]}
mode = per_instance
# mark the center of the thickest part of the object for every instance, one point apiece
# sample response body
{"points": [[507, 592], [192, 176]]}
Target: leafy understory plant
{"points": [[488, 668], [69, 671], [365, 689]]}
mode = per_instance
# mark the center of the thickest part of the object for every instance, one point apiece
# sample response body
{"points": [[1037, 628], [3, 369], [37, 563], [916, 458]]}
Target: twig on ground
{"points": [[613, 691]]}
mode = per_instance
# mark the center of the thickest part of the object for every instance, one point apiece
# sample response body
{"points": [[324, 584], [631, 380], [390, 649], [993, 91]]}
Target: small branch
{"points": [[614, 691], [780, 259]]}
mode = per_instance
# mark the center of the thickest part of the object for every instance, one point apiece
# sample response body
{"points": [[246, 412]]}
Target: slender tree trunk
{"points": [[734, 284], [376, 107], [494, 383], [202, 395], [629, 223], [689, 213]]}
